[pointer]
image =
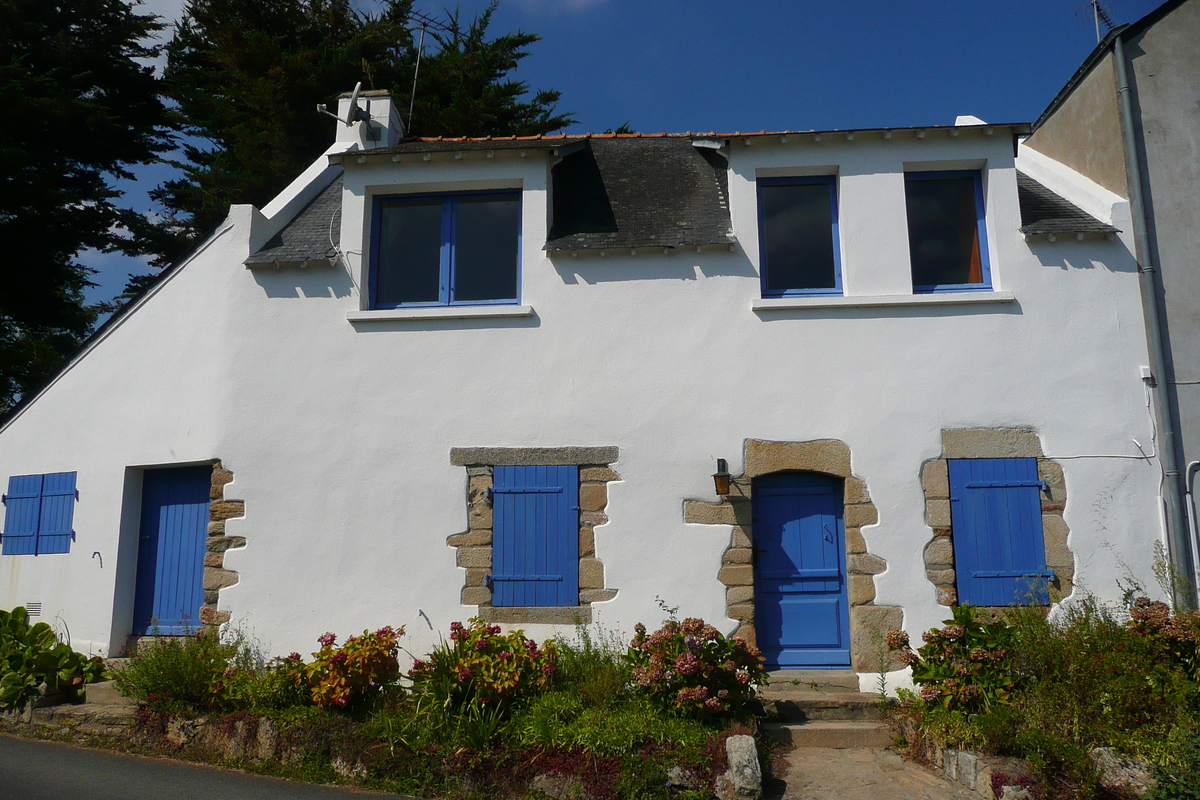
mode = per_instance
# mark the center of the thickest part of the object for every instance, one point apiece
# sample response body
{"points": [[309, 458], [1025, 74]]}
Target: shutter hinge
{"points": [[1045, 486], [4, 499], [76, 495], [575, 508], [491, 494], [72, 536], [489, 581]]}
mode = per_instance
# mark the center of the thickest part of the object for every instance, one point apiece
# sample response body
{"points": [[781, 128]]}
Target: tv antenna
{"points": [[1100, 15], [426, 23], [353, 113]]}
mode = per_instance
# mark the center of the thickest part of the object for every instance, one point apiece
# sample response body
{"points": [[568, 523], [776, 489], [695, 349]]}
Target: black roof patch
{"points": [[627, 193], [1043, 211], [311, 235]]}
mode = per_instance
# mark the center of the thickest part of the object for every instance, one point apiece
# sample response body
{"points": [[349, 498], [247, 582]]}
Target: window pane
{"points": [[485, 248], [943, 231], [798, 236], [410, 243]]}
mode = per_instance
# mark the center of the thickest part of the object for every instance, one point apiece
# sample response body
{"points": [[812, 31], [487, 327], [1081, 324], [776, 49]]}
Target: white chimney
{"points": [[384, 127]]}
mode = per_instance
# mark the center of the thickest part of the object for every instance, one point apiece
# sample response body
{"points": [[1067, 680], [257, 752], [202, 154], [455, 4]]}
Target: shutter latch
{"points": [[489, 580], [491, 493]]}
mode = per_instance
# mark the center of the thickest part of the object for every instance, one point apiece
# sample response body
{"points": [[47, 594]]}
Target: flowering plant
{"points": [[344, 676], [965, 665], [1178, 635], [691, 668], [479, 665]]}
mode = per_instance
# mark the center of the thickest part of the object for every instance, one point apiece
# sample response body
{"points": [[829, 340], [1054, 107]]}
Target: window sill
{"points": [[440, 312], [537, 615], [882, 301]]}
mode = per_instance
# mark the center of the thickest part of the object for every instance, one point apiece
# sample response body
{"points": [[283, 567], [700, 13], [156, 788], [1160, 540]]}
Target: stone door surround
{"points": [[993, 443], [474, 547], [868, 622]]}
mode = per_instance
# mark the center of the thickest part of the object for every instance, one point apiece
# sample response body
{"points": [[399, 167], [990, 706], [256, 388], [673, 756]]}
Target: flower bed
{"points": [[1061, 694], [486, 714]]}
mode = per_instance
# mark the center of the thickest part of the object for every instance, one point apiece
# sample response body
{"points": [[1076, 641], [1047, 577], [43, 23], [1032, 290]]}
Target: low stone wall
{"points": [[71, 721]]}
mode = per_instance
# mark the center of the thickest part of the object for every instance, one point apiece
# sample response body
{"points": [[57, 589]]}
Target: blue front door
{"points": [[801, 611], [170, 568]]}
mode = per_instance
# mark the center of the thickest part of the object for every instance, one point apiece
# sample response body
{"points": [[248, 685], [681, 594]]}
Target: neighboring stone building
{"points": [[440, 378], [1083, 130]]}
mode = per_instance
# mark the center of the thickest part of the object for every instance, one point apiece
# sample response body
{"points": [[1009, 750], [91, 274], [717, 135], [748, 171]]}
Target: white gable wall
{"points": [[339, 433]]}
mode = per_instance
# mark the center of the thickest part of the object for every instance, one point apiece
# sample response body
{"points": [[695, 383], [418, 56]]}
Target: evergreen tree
{"points": [[78, 110], [247, 77]]}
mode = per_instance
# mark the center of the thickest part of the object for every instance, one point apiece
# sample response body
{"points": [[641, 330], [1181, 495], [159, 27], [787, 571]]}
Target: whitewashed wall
{"points": [[339, 434]]}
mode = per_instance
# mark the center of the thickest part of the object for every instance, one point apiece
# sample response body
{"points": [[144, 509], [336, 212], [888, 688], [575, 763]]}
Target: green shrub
{"points": [[690, 668], [1091, 678], [964, 665], [478, 665], [592, 665], [561, 720], [358, 671], [177, 673], [31, 655], [1179, 778]]}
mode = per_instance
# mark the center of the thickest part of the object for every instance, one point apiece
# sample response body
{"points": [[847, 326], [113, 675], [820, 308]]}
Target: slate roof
{"points": [[1043, 211], [652, 192], [307, 236]]}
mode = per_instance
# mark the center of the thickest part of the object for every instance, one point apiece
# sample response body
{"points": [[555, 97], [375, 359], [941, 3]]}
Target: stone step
{"points": [[838, 734], [105, 693], [792, 704], [816, 680]]}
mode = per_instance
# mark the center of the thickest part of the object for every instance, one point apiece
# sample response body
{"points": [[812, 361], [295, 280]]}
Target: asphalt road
{"points": [[32, 770]]}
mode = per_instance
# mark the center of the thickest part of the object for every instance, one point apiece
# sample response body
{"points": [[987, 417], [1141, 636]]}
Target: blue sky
{"points": [[675, 65]]}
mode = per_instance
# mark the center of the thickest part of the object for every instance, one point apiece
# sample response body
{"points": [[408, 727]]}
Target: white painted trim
{"points": [[1074, 186], [881, 301], [447, 312]]}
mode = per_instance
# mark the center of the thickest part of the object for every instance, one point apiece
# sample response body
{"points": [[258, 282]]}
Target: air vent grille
{"points": [[34, 609]]}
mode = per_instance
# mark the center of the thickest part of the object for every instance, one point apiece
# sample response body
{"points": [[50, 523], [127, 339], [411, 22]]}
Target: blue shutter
{"points": [[23, 506], [58, 511], [996, 513], [535, 536]]}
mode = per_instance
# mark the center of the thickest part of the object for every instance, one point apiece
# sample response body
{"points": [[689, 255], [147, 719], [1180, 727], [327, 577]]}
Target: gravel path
{"points": [[818, 773]]}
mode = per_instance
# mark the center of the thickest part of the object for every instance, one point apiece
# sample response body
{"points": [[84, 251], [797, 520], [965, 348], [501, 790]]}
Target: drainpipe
{"points": [[1178, 541]]}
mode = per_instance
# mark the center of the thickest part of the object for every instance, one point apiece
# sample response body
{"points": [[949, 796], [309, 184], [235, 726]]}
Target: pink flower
{"points": [[229, 672], [548, 669], [481, 644], [293, 657], [386, 630], [456, 626], [492, 630], [505, 655], [327, 639], [930, 693], [338, 658], [464, 674]]}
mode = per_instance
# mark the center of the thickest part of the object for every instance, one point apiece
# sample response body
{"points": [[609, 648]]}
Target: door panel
{"points": [[170, 569], [801, 610]]}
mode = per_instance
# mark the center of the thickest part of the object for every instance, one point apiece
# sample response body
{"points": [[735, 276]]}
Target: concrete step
{"points": [[793, 704], [105, 693], [816, 680], [837, 734]]}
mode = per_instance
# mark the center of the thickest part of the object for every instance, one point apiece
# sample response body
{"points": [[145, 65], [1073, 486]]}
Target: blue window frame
{"points": [[798, 236], [996, 521], [445, 249], [947, 232], [39, 510]]}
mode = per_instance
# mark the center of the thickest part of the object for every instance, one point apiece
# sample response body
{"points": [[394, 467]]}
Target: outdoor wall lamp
{"points": [[721, 477]]}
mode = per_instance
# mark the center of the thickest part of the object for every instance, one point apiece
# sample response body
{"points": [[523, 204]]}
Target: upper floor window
{"points": [[445, 249], [798, 236], [946, 235]]}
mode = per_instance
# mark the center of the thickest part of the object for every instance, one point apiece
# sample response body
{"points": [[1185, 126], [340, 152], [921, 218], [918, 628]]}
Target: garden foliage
{"points": [[965, 665], [1090, 676], [32, 659], [479, 665], [359, 670], [690, 668]]}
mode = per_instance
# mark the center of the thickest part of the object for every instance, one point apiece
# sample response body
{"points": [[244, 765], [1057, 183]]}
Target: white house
{"points": [[441, 378]]}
